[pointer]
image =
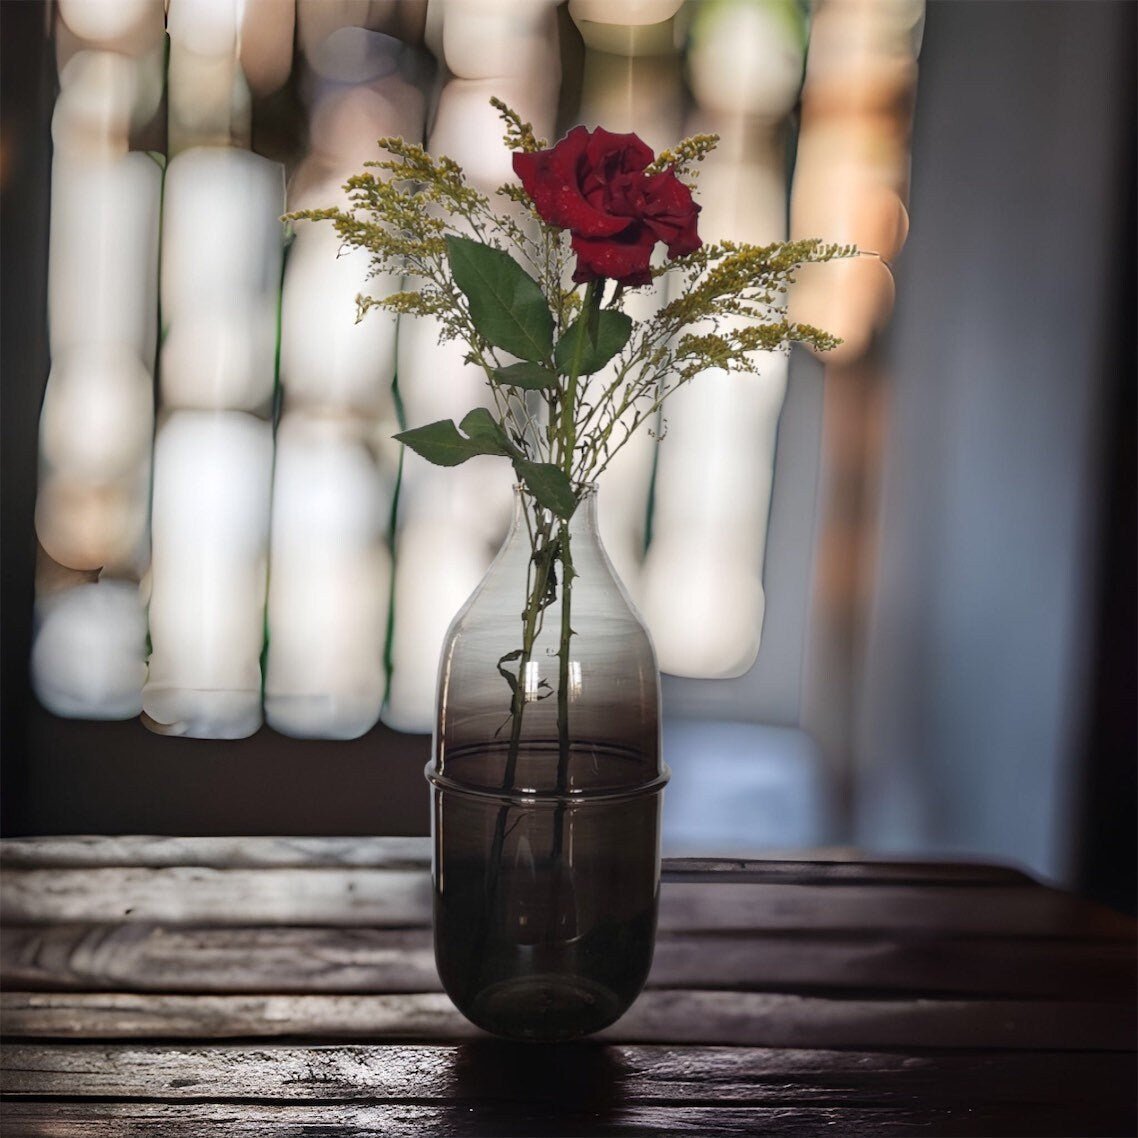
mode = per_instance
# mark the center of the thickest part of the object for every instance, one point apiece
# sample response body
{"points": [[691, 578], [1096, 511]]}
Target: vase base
{"points": [[545, 1008]]}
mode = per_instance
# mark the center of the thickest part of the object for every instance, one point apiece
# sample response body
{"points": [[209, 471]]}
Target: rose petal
{"points": [[625, 258], [632, 152], [552, 180]]}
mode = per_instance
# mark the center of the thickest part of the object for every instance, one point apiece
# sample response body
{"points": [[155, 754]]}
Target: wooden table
{"points": [[271, 986]]}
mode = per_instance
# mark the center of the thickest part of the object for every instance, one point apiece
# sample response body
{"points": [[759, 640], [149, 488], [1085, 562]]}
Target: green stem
{"points": [[590, 307], [535, 604], [567, 575]]}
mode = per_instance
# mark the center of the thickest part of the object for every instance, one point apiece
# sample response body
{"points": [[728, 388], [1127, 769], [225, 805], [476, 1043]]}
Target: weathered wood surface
{"points": [[760, 1019], [586, 1073], [194, 958], [505, 1120], [90, 852], [494, 1088], [213, 986], [400, 897]]}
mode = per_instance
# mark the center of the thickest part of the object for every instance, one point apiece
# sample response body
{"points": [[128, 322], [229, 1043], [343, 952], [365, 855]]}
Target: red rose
{"points": [[593, 184]]}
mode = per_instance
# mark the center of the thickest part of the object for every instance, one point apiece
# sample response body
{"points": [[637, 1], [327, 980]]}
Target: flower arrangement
{"points": [[535, 290]]}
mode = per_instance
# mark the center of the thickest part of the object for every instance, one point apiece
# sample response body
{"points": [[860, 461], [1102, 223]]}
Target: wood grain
{"points": [[90, 852], [489, 1087], [402, 898], [758, 1019], [190, 958], [176, 894], [505, 1120], [93, 852], [178, 987], [588, 1074]]}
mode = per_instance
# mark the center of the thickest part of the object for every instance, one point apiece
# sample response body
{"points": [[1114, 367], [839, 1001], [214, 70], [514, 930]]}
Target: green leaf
{"points": [[589, 344], [506, 303], [486, 431], [442, 444], [549, 485], [530, 376]]}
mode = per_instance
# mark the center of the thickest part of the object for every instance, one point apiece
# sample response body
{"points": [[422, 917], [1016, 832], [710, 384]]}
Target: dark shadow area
{"points": [[27, 93], [581, 1083], [118, 778], [1107, 859]]}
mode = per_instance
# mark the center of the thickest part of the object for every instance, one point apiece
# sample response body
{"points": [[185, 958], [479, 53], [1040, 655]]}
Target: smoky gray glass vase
{"points": [[547, 787]]}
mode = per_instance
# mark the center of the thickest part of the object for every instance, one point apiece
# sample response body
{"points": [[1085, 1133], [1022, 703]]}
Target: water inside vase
{"points": [[545, 908]]}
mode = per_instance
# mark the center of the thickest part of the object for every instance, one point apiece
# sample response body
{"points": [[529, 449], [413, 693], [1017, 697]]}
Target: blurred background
{"points": [[942, 515]]}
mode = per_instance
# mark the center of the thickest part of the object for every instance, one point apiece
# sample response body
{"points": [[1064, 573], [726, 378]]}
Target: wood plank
{"points": [[588, 1075], [658, 1016], [100, 851], [94, 851], [145, 1120], [1030, 911], [188, 958], [402, 898], [385, 897], [823, 870]]}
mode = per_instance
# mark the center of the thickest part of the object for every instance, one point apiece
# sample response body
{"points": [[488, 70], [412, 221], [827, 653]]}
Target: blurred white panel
{"points": [[746, 57], [205, 27], [436, 382], [98, 413], [715, 468], [83, 525], [221, 266], [103, 96], [221, 229], [129, 27], [222, 354], [89, 652], [330, 580], [212, 483], [208, 101], [327, 358], [468, 129], [622, 503], [702, 593], [208, 97], [438, 564], [452, 521], [103, 254], [490, 39]]}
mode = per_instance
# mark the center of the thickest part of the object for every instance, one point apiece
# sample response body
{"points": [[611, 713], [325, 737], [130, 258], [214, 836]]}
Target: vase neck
{"points": [[583, 523]]}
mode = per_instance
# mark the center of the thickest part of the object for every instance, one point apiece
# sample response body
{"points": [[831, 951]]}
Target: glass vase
{"points": [[546, 788]]}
